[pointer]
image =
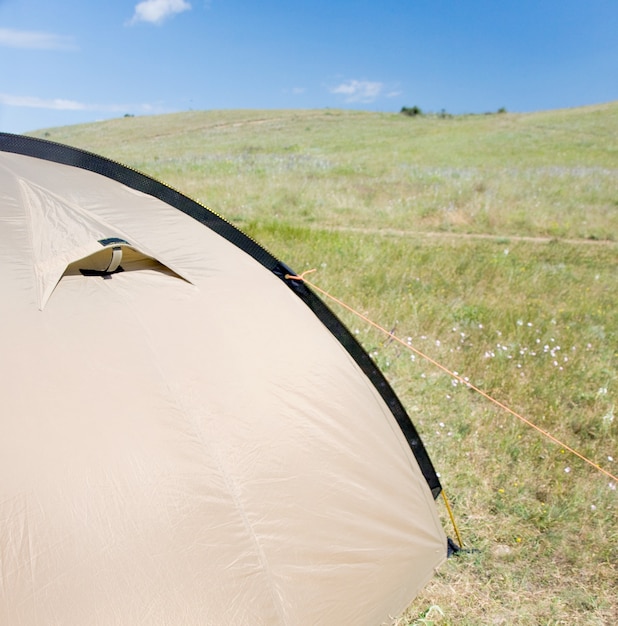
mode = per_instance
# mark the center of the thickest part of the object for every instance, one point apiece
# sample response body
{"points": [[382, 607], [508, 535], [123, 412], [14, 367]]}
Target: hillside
{"points": [[551, 174]]}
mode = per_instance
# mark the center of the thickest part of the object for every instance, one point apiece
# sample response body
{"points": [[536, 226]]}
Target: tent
{"points": [[187, 434]]}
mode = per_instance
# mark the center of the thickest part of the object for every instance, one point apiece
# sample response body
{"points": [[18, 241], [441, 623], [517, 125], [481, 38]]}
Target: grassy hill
{"points": [[550, 174], [489, 243]]}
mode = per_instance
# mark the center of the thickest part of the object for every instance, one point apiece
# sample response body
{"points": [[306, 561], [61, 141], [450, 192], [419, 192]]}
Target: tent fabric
{"points": [[189, 438]]}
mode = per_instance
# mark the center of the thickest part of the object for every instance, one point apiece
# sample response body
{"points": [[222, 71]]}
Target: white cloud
{"points": [[57, 104], [359, 90], [34, 40], [295, 91], [63, 104], [157, 11]]}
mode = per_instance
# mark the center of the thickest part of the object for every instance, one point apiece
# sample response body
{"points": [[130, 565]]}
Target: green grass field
{"points": [[487, 242]]}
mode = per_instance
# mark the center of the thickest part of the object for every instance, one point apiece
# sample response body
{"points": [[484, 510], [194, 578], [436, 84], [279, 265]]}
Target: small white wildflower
{"points": [[602, 391], [506, 252], [593, 508], [520, 322], [612, 486], [437, 342], [610, 458], [529, 324], [480, 325], [567, 470], [441, 424]]}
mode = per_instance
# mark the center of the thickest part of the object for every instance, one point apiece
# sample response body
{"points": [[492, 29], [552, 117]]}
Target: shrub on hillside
{"points": [[411, 111]]}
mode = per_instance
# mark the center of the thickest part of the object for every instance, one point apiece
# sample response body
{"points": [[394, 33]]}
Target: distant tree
{"points": [[502, 110], [411, 111]]}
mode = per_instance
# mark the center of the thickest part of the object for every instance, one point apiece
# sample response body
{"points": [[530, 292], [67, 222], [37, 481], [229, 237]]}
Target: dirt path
{"points": [[394, 232]]}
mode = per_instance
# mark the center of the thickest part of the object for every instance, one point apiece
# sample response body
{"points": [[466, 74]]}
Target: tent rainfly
{"points": [[187, 435]]}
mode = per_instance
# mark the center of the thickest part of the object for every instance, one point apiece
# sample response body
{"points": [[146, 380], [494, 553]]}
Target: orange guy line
{"points": [[452, 374]]}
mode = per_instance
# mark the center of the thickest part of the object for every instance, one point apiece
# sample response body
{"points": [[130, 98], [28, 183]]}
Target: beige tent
{"points": [[186, 436]]}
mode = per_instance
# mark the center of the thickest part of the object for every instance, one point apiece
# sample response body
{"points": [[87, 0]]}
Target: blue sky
{"points": [[73, 61]]}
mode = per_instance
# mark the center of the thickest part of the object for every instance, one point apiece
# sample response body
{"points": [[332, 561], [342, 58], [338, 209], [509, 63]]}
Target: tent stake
{"points": [[450, 513]]}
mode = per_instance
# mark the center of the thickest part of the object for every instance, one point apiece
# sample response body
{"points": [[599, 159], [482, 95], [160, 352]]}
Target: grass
{"points": [[550, 174], [486, 242]]}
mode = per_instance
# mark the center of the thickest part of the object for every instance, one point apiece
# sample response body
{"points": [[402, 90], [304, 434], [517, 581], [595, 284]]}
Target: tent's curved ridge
{"points": [[76, 157]]}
